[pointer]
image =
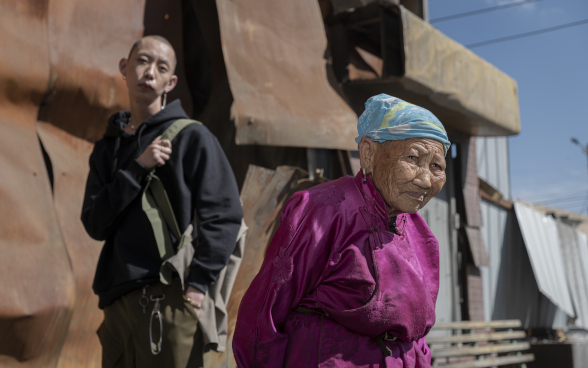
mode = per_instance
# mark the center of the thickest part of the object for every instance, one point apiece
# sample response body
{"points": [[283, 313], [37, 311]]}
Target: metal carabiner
{"points": [[156, 348], [144, 300]]}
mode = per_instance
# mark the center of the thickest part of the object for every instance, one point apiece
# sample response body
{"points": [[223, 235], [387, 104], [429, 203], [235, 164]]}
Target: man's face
{"points": [[149, 69], [408, 173]]}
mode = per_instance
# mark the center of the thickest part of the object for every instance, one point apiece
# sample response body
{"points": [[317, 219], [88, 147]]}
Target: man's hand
{"points": [[197, 297], [156, 154]]}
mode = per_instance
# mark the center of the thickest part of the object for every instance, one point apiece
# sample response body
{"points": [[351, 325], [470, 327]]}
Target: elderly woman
{"points": [[351, 276]]}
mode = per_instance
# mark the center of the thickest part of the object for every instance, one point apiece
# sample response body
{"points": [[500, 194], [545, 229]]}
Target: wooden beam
{"points": [[490, 336], [468, 325], [504, 203], [478, 350], [493, 362]]}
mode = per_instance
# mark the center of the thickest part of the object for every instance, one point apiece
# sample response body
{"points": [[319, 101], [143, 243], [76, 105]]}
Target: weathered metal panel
{"points": [[542, 243], [583, 254], [511, 290], [576, 271], [86, 40], [493, 233], [493, 163], [274, 55], [457, 82], [35, 276], [59, 62], [69, 162]]}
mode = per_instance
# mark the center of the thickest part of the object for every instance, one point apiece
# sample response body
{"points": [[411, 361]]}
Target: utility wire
{"points": [[571, 188], [481, 11], [579, 200], [574, 194], [527, 34], [579, 197]]}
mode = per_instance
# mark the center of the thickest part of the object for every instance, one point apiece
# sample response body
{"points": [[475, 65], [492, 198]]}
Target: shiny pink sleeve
{"points": [[423, 353], [293, 266]]}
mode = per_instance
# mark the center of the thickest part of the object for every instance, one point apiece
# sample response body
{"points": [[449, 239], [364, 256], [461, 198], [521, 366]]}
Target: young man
{"points": [[197, 178]]}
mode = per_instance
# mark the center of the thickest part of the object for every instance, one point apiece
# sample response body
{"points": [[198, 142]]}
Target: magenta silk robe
{"points": [[333, 252]]}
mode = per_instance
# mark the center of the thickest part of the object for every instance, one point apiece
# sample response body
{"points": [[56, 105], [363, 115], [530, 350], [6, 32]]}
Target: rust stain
{"points": [[274, 54]]}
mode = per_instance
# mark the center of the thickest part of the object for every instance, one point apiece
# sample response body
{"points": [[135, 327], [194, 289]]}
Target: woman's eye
{"points": [[412, 157]]}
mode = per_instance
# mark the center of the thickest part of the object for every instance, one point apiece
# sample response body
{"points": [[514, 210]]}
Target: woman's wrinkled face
{"points": [[407, 173]]}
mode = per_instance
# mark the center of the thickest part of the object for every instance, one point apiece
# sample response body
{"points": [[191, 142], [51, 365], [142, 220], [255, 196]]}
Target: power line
{"points": [[481, 11], [527, 34], [571, 188], [556, 197], [569, 202]]}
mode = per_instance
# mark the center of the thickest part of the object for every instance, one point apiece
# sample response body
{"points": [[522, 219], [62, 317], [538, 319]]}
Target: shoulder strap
{"points": [[177, 126], [157, 207]]}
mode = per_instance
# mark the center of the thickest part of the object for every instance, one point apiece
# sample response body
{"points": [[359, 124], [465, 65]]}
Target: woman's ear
{"points": [[367, 154]]}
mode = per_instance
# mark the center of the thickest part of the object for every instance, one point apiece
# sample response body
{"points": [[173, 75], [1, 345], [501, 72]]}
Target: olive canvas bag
{"points": [[213, 315]]}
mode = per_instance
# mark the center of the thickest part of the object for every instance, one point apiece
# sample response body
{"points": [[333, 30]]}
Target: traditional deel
{"points": [[388, 118], [333, 253]]}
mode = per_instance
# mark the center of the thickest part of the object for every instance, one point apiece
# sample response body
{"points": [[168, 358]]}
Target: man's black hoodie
{"points": [[197, 177]]}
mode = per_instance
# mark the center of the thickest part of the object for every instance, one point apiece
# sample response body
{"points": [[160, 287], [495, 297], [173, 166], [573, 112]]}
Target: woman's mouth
{"points": [[416, 195]]}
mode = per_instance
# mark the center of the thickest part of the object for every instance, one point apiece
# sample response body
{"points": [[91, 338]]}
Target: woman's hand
{"points": [[196, 296], [156, 154]]}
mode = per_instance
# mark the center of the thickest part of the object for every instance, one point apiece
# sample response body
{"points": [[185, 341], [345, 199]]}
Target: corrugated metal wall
{"points": [[493, 164], [544, 249], [576, 266], [510, 287]]}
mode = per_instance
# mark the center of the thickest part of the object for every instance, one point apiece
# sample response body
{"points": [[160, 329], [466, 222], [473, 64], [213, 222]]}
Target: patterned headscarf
{"points": [[388, 118]]}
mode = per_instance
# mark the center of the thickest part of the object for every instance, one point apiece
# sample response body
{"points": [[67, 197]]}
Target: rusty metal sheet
{"points": [[273, 51], [69, 157], [35, 275], [59, 65], [86, 40], [466, 92], [264, 194]]}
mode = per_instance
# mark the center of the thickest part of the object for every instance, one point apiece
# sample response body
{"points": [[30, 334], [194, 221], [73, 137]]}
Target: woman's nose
{"points": [[423, 178]]}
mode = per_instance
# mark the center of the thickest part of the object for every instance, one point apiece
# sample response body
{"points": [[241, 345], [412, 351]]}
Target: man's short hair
{"points": [[158, 38]]}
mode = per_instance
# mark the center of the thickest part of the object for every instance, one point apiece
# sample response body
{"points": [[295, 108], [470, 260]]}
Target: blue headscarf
{"points": [[388, 118]]}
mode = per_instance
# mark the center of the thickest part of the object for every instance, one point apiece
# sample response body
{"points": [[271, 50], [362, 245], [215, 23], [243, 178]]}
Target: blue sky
{"points": [[551, 70]]}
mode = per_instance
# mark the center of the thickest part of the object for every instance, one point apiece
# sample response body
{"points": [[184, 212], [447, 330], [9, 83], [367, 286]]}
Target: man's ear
{"points": [[367, 154], [171, 84], [122, 67]]}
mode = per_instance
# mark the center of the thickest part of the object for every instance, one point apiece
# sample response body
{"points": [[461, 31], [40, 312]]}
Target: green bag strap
{"points": [[158, 209], [177, 126]]}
